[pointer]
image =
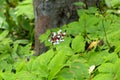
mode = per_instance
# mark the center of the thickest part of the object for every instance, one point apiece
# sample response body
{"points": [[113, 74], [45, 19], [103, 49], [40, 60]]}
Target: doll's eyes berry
{"points": [[58, 37]]}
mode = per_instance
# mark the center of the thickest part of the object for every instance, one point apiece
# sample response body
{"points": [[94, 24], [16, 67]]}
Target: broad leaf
{"points": [[97, 58], [79, 70], [104, 77], [78, 44], [106, 68], [56, 64]]}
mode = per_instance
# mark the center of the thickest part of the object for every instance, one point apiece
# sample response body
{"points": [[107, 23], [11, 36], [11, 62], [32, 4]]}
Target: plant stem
{"points": [[105, 34]]}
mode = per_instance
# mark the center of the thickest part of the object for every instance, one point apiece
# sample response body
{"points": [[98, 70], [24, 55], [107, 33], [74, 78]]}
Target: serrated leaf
{"points": [[65, 74], [97, 58], [8, 76], [56, 64], [24, 50], [19, 66], [66, 42], [65, 49], [43, 71], [80, 70], [104, 77], [46, 57], [5, 65], [78, 44], [78, 58], [106, 68], [39, 69], [112, 58], [73, 28], [25, 75]]}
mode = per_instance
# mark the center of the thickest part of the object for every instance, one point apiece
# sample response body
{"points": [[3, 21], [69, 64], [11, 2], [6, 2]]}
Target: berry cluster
{"points": [[58, 37]]}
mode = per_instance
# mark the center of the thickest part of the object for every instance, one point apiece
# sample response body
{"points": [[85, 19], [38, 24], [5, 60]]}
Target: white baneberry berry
{"points": [[56, 38], [59, 31], [64, 33], [91, 69], [54, 34]]}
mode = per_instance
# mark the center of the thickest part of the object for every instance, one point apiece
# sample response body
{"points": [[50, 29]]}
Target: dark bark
{"points": [[52, 13]]}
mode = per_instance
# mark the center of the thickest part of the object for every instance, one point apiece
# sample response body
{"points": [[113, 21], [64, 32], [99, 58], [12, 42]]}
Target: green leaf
{"points": [[108, 3], [2, 23], [117, 66], [8, 76], [81, 12], [39, 69], [78, 44], [43, 70], [26, 8], [24, 49], [79, 4], [65, 49], [4, 34], [73, 28], [5, 65], [19, 65], [45, 36], [45, 58], [117, 69], [56, 64], [65, 74], [118, 74], [103, 77], [77, 58], [22, 41], [106, 68], [4, 56], [79, 70], [1, 76], [112, 58], [113, 31], [39, 66], [25, 75], [112, 3], [97, 58], [92, 10], [66, 42]]}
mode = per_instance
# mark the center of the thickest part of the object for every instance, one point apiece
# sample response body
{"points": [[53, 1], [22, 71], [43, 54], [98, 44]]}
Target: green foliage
{"points": [[91, 41], [10, 52], [17, 21], [91, 26], [113, 3], [25, 8], [78, 44]]}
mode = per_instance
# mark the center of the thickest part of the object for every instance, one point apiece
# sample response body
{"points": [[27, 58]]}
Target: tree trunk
{"points": [[52, 13]]}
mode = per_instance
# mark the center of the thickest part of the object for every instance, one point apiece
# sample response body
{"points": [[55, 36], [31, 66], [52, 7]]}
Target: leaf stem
{"points": [[105, 34]]}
